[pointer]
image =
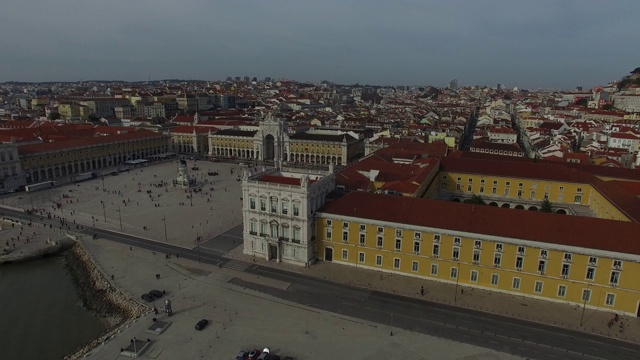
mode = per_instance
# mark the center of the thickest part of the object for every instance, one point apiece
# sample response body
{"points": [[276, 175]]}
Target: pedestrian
{"points": [[422, 290], [130, 248]]}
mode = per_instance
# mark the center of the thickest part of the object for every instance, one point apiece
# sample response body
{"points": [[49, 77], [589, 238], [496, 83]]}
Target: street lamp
{"points": [[584, 304], [103, 183], [104, 211], [164, 220], [120, 217], [455, 296]]}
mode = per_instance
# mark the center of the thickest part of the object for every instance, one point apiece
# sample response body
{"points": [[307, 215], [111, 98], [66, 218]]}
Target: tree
{"points": [[476, 200], [546, 206], [54, 116]]}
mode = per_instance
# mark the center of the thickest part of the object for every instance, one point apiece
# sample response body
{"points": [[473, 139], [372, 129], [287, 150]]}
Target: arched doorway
{"points": [[493, 204], [561, 211], [519, 207], [269, 147], [455, 200], [506, 205], [328, 254], [533, 208]]}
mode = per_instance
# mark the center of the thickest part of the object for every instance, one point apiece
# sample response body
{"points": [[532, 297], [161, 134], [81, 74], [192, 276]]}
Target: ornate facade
{"points": [[278, 213], [270, 142]]}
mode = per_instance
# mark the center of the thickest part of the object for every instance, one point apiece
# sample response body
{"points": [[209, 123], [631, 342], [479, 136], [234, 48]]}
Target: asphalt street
{"points": [[519, 337]]}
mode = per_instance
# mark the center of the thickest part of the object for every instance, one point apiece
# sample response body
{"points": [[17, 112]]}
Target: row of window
{"points": [[274, 230], [3, 158], [532, 195], [273, 206], [495, 278], [614, 278], [508, 184], [457, 241]]}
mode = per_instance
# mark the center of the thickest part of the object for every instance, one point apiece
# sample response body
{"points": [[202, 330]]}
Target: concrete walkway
{"points": [[242, 319], [562, 315]]}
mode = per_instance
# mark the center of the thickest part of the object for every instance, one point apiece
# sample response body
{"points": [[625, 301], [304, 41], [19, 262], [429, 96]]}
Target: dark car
{"points": [[201, 324], [147, 297], [242, 355], [157, 294], [266, 354], [195, 168], [253, 354]]}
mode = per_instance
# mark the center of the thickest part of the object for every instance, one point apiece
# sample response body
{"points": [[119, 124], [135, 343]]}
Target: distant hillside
{"points": [[632, 79]]}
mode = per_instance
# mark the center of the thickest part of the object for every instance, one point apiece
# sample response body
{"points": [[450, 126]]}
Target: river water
{"points": [[40, 312]]}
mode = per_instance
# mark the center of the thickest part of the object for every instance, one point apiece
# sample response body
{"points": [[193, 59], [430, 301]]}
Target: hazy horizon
{"points": [[541, 44]]}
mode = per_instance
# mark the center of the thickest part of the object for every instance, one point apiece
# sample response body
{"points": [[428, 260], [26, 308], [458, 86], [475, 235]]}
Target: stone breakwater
{"points": [[100, 297]]}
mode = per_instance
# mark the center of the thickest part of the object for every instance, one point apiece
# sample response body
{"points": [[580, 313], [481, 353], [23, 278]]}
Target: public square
{"points": [[142, 202]]}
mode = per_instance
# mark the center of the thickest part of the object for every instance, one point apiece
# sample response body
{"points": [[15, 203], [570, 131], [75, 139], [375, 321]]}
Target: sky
{"points": [[528, 44]]}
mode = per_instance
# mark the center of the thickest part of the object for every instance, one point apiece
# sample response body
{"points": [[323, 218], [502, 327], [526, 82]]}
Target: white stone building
{"points": [[278, 209], [11, 176]]}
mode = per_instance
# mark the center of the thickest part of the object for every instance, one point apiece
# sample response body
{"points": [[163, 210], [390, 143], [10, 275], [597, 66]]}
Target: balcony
{"points": [[253, 232]]}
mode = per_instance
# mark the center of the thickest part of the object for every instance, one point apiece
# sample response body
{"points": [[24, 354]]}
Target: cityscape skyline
{"points": [[528, 45]]}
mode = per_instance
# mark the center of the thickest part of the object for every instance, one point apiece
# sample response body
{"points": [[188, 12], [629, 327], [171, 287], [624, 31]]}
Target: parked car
{"points": [[156, 293], [254, 354], [266, 354], [147, 297], [201, 324], [242, 355]]}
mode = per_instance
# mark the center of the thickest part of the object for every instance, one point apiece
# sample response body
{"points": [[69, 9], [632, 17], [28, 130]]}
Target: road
{"points": [[504, 334]]}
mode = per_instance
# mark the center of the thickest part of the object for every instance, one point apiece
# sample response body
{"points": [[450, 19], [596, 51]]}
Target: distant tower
{"points": [[453, 84], [499, 86]]}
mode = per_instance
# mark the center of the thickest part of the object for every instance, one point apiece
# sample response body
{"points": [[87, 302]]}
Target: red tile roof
{"points": [[517, 169], [86, 141], [285, 180], [186, 129], [591, 233]]}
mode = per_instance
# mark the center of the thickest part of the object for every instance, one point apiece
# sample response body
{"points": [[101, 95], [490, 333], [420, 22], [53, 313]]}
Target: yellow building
{"points": [[69, 111], [570, 259], [270, 142], [524, 185], [52, 160], [451, 141]]}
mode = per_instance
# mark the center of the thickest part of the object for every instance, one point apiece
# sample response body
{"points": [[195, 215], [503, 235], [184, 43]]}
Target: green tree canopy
{"points": [[476, 200], [546, 206]]}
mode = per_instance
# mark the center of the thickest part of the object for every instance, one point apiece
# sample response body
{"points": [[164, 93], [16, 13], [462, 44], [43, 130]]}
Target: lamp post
{"points": [[103, 190], [584, 304], [164, 220], [120, 217], [198, 245], [357, 248], [455, 296], [104, 211]]}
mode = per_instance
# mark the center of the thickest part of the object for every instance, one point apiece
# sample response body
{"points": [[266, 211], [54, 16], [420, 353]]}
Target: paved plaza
{"points": [[140, 201], [245, 319]]}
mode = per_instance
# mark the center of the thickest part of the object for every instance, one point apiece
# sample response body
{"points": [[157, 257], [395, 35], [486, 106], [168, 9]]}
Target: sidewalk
{"points": [[546, 312]]}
